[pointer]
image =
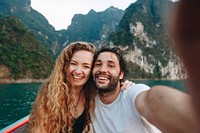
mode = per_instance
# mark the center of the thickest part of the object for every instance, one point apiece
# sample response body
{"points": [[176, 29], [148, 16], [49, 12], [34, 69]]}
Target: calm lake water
{"points": [[16, 99]]}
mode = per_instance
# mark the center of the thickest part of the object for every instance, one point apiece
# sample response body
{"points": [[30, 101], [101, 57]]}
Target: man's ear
{"points": [[121, 76]]}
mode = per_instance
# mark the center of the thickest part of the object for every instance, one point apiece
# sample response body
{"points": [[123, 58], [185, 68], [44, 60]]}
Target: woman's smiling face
{"points": [[80, 68]]}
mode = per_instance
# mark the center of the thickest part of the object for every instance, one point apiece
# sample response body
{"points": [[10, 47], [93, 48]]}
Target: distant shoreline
{"points": [[19, 81]]}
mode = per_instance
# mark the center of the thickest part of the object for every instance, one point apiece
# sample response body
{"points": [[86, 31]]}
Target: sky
{"points": [[60, 12]]}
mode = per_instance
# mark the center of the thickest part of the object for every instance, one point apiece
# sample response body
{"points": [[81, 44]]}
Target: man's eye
{"points": [[97, 64], [111, 66]]}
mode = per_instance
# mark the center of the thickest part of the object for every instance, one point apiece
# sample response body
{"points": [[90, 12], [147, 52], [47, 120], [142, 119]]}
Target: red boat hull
{"points": [[17, 127]]}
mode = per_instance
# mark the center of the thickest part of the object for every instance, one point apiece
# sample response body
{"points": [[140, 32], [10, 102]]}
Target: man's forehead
{"points": [[107, 56]]}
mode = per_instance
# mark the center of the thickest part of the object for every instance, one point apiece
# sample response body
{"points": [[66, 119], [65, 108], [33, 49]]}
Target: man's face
{"points": [[106, 72]]}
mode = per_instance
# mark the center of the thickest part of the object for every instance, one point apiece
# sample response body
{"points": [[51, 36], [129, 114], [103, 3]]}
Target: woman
{"points": [[66, 99]]}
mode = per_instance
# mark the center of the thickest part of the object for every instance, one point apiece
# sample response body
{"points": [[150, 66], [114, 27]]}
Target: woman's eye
{"points": [[86, 66], [72, 63]]}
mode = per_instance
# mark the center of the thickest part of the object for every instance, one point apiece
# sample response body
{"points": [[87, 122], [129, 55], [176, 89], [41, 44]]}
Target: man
{"points": [[128, 111]]}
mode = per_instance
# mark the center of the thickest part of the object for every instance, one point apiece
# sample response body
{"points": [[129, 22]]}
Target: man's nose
{"points": [[103, 68]]}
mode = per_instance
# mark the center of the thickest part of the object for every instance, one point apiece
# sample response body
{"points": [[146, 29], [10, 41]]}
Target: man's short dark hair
{"points": [[118, 52]]}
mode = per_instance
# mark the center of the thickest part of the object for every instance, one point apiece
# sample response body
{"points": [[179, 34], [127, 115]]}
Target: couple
{"points": [[68, 102]]}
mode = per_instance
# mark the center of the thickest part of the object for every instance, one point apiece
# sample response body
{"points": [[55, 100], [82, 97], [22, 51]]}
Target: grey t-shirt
{"points": [[121, 115]]}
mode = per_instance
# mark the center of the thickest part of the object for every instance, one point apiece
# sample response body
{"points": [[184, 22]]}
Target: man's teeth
{"points": [[102, 78]]}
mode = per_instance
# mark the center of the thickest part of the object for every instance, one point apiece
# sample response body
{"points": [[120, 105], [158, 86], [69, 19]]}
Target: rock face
{"points": [[4, 72], [173, 70], [144, 35]]}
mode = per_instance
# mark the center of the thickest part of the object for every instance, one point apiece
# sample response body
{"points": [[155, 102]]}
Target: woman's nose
{"points": [[78, 69]]}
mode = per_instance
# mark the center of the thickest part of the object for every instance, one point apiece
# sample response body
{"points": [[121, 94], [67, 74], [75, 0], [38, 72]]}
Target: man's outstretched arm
{"points": [[168, 109]]}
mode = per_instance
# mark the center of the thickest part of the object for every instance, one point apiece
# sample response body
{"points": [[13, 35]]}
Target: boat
{"points": [[17, 127]]}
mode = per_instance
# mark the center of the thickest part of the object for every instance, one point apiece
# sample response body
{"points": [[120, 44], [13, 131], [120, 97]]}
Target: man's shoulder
{"points": [[139, 86], [135, 89]]}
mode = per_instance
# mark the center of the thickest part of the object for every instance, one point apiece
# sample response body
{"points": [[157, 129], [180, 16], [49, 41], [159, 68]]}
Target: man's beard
{"points": [[110, 88]]}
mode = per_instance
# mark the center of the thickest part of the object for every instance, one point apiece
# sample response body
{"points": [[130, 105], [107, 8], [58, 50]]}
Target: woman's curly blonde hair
{"points": [[52, 108]]}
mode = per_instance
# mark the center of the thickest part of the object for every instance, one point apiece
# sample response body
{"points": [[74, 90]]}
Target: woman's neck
{"points": [[77, 92], [79, 100]]}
